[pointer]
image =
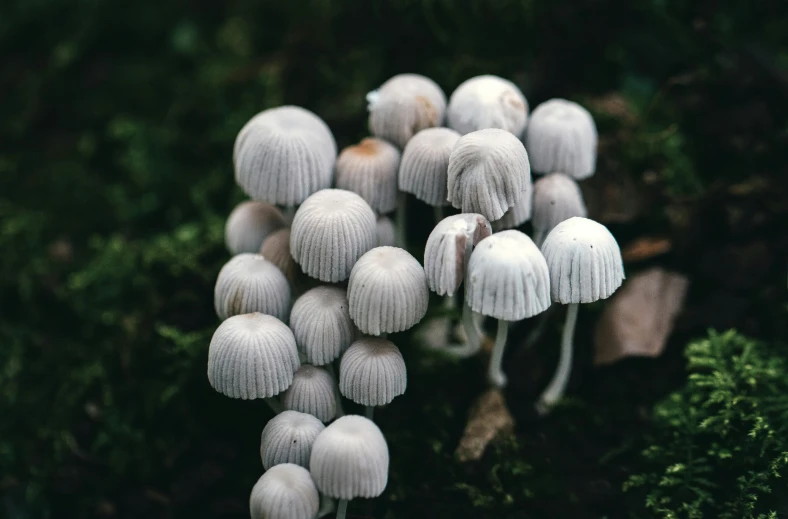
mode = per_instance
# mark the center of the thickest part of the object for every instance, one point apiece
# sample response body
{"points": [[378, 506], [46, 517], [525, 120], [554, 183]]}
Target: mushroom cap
{"points": [[284, 154], [350, 459], [508, 277], [312, 391], [387, 235], [557, 197], [584, 261], [372, 372], [331, 230], [249, 283], [444, 255], [488, 173], [252, 356], [424, 169], [248, 225], [562, 136], [387, 291], [487, 102], [517, 215], [288, 438], [321, 323], [404, 105], [276, 249], [369, 169], [284, 492]]}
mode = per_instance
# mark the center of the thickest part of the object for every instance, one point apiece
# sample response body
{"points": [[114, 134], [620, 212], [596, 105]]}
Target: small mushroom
{"points": [[387, 291], [248, 225], [331, 230], [313, 392], [372, 373], [288, 438], [508, 280], [321, 323], [370, 170], [487, 102], [276, 249], [517, 215], [249, 283], [424, 169], [562, 137], [387, 234], [284, 492], [557, 197], [488, 173], [585, 266], [404, 105]]}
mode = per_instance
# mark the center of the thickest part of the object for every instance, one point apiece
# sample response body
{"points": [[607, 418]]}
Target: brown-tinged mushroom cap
{"points": [[370, 170]]}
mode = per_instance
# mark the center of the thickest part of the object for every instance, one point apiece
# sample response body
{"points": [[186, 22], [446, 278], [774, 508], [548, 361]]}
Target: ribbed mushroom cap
{"points": [[508, 277], [321, 323], [487, 102], [584, 261], [386, 232], [369, 169], [283, 155], [249, 283], [444, 255], [331, 230], [248, 225], [284, 492], [350, 459], [312, 391], [252, 356], [488, 173], [517, 215], [288, 438], [403, 106], [372, 372], [562, 137], [387, 291], [557, 197], [425, 165], [276, 249]]}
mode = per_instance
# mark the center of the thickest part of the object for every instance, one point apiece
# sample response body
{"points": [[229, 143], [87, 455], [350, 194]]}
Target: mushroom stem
{"points": [[555, 389], [289, 214], [437, 211], [539, 238], [337, 393], [342, 509], [473, 335], [495, 374], [274, 404], [369, 411], [402, 206], [326, 505]]}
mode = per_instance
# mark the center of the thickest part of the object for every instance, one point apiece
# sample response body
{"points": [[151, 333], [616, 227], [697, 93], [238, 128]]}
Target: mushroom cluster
{"points": [[321, 275]]}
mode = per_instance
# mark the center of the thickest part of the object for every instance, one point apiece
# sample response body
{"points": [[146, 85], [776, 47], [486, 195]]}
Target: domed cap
{"points": [[330, 232], [350, 459], [288, 438], [248, 283], [387, 291], [487, 102], [488, 173], [249, 224], [370, 170], [321, 323], [276, 249], [562, 137], [386, 232], [404, 105], [557, 197], [444, 256], [283, 155], [312, 391], [284, 492], [425, 165], [584, 261], [517, 215], [508, 278], [372, 372], [252, 356]]}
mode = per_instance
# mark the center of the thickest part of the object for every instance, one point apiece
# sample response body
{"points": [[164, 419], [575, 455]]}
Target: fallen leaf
{"points": [[488, 419], [645, 248]]}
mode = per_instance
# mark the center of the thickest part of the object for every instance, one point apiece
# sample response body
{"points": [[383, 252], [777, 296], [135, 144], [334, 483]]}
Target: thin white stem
{"points": [[327, 505], [539, 236], [342, 509], [369, 412], [274, 404], [337, 394], [555, 389], [495, 374], [289, 214], [402, 207], [437, 212]]}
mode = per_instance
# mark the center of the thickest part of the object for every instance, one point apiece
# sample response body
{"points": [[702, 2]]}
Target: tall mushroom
{"points": [[487, 102]]}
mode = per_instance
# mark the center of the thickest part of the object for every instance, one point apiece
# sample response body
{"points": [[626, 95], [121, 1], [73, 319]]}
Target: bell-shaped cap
{"points": [[387, 235], [252, 356], [517, 215], [331, 230], [372, 372], [487, 102], [283, 155], [447, 249], [249, 283], [284, 492], [488, 173], [321, 323], [584, 261], [557, 197], [350, 459], [508, 277], [387, 291], [425, 165], [312, 391], [248, 225], [403, 106], [562, 137], [370, 170], [276, 249], [288, 438]]}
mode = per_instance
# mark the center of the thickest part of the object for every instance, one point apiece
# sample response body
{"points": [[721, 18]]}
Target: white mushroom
{"points": [[557, 197], [249, 283], [276, 249], [321, 323], [313, 392], [288, 438], [248, 225], [487, 102], [372, 373], [423, 171], [370, 170], [284, 492], [387, 236], [517, 215]]}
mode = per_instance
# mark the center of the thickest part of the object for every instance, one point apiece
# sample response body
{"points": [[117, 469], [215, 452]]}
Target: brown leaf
{"points": [[489, 418], [645, 248]]}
